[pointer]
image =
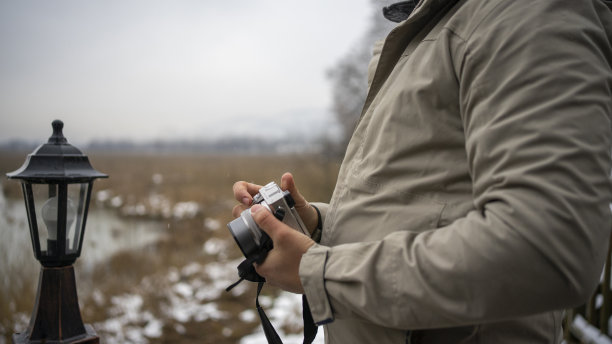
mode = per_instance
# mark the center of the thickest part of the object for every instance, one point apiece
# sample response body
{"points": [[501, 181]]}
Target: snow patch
{"points": [[212, 224]]}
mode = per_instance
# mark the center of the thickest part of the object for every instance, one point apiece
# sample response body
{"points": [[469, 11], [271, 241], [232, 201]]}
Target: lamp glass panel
{"points": [[45, 204], [76, 210]]}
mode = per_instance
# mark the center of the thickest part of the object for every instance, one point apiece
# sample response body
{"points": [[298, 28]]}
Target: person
{"points": [[472, 204]]}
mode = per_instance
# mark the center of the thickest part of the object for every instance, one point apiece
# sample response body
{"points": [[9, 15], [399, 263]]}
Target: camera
{"points": [[252, 240]]}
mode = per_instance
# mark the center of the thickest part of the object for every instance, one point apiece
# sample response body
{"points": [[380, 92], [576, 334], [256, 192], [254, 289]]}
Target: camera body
{"points": [[252, 240]]}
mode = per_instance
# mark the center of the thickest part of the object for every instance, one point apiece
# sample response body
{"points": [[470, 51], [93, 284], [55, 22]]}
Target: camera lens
{"points": [[246, 233]]}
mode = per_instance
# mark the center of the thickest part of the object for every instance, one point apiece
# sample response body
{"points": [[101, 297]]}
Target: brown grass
{"points": [[205, 179]]}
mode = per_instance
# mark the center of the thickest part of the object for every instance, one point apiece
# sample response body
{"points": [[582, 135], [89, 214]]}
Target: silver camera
{"points": [[254, 242]]}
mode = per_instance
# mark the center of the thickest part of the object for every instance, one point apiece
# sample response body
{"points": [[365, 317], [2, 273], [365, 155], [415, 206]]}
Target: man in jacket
{"points": [[472, 205]]}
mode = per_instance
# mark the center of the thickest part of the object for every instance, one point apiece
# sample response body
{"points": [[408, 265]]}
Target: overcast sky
{"points": [[153, 69]]}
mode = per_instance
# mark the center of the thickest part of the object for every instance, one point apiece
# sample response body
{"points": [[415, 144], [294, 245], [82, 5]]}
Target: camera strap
{"points": [[246, 271], [268, 329]]}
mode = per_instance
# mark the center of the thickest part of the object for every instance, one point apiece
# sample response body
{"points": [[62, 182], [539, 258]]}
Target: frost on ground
{"points": [[127, 318], [155, 205], [190, 295], [184, 295]]}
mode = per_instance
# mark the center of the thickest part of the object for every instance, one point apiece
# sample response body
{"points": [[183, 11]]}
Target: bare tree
{"points": [[349, 76]]}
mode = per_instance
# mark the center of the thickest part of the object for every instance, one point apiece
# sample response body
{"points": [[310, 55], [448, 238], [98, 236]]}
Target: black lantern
{"points": [[56, 180]]}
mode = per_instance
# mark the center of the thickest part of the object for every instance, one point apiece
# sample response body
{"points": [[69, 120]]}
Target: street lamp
{"points": [[56, 180]]}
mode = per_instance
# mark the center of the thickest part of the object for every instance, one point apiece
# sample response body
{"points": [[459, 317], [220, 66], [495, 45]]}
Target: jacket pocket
{"points": [[394, 207]]}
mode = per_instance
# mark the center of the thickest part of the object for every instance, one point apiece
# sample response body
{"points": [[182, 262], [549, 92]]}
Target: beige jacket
{"points": [[473, 202]]}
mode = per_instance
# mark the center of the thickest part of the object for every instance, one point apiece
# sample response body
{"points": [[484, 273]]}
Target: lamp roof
{"points": [[56, 161]]}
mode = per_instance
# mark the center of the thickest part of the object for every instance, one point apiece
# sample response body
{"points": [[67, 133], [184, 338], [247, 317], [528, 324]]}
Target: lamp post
{"points": [[56, 180]]}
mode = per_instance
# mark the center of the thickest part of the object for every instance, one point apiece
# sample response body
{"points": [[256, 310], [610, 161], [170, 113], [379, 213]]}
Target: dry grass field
{"points": [[165, 280], [206, 179]]}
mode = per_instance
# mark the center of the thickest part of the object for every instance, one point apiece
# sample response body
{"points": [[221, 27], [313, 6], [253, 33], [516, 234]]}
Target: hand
{"points": [[244, 192], [282, 265]]}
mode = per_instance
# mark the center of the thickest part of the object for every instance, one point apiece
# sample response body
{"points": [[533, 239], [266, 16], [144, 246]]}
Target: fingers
{"points": [[266, 221], [244, 192], [281, 267], [276, 230], [238, 209], [266, 271], [288, 183], [307, 213]]}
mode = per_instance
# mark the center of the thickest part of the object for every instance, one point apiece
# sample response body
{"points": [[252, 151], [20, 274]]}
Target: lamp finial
{"points": [[58, 135]]}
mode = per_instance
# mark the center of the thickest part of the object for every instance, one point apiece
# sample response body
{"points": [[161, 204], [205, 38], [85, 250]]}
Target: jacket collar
{"points": [[398, 39], [399, 11]]}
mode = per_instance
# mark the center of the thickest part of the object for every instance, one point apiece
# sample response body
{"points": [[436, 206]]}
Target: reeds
{"points": [[205, 180]]}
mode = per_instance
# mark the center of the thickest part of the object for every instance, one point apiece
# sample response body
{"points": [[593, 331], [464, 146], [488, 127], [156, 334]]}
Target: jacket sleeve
{"points": [[536, 103]]}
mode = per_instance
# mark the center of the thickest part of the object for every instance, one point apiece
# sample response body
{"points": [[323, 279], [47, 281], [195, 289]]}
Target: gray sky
{"points": [[148, 69]]}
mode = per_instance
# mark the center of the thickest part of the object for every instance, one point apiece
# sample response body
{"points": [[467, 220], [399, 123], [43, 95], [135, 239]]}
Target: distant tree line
{"points": [[252, 145], [249, 145]]}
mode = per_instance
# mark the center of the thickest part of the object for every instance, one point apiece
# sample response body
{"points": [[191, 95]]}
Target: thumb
{"points": [[288, 183], [265, 220]]}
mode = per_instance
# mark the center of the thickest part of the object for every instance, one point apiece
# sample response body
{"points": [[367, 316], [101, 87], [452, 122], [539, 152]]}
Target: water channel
{"points": [[105, 235]]}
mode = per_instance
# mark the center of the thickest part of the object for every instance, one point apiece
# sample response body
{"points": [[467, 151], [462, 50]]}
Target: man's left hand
{"points": [[281, 267]]}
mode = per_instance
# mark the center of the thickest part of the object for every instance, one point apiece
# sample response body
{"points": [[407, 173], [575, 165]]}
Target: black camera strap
{"points": [[268, 329], [246, 271], [310, 328]]}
